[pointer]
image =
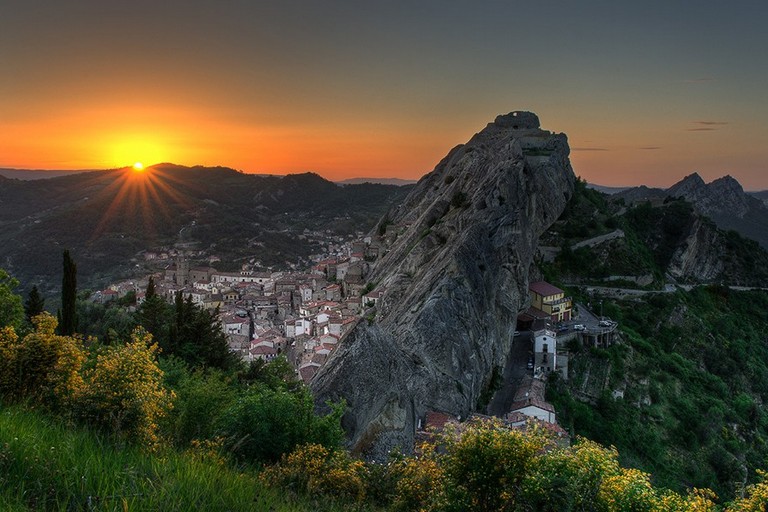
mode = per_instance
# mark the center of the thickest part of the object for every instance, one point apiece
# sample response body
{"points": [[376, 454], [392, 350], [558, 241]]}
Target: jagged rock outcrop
{"points": [[455, 275], [699, 257], [723, 195], [723, 200]]}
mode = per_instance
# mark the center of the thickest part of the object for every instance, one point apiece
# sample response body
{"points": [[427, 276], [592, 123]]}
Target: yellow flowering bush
{"points": [[419, 481], [42, 366], [208, 451], [314, 469], [485, 464], [9, 371], [124, 390], [756, 499], [569, 478]]}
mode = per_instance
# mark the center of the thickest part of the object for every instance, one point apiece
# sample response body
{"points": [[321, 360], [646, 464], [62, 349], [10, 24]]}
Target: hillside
{"points": [[108, 218], [599, 239], [723, 200], [685, 388], [681, 392]]}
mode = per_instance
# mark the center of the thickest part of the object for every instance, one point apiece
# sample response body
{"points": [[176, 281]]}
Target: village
{"points": [[301, 315], [304, 314]]}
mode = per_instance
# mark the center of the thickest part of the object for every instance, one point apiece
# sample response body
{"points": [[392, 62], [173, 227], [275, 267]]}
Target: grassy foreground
{"points": [[47, 466]]}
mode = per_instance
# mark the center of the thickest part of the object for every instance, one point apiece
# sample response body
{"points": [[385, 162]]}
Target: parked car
{"points": [[579, 327], [605, 323], [530, 363]]}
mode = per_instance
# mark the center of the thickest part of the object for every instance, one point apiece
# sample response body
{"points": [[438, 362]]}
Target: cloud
{"points": [[707, 126], [589, 149], [650, 147]]}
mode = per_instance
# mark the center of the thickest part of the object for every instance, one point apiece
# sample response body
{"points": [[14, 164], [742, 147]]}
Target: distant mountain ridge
{"points": [[40, 174], [108, 218], [723, 200], [380, 181]]}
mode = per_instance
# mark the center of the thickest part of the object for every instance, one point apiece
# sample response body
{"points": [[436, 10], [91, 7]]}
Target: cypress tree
{"points": [[150, 289], [153, 315], [68, 312], [35, 303]]}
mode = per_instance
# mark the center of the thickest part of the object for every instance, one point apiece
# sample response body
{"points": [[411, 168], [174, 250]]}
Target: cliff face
{"points": [[455, 275], [699, 255]]}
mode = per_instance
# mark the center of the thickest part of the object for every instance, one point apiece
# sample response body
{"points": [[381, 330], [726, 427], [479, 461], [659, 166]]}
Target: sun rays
{"points": [[140, 200]]}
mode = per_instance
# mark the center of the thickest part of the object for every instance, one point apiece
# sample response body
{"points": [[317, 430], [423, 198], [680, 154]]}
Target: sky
{"points": [[647, 92]]}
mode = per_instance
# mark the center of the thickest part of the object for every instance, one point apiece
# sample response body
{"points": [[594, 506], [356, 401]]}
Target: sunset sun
{"points": [[138, 166]]}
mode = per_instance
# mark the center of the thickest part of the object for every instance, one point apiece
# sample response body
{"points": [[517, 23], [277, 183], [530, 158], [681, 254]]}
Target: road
{"points": [[591, 242], [514, 370]]}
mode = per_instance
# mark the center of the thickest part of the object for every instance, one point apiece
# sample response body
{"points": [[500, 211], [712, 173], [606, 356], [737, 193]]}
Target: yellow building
{"points": [[551, 300]]}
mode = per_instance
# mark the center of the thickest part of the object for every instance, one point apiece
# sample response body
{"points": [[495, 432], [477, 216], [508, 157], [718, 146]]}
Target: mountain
{"points": [[381, 181], [761, 195], [454, 275], [723, 200], [606, 190], [27, 174], [109, 218], [598, 239]]}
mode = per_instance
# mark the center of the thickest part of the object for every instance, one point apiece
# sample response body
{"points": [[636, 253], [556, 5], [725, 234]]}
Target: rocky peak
{"points": [[454, 276], [722, 196], [688, 186]]}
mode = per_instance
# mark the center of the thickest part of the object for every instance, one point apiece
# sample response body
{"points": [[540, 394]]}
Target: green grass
{"points": [[45, 465]]}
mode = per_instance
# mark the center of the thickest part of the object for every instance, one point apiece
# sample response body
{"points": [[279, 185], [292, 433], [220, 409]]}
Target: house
{"points": [[234, 324], [201, 273], [535, 408], [545, 350], [308, 370], [529, 400], [551, 300], [265, 350], [372, 298]]}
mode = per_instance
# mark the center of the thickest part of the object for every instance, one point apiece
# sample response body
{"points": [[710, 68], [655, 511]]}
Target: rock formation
{"points": [[455, 275], [698, 257], [723, 200]]}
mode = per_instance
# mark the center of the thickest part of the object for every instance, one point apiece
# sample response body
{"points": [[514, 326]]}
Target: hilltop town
{"points": [[301, 314]]}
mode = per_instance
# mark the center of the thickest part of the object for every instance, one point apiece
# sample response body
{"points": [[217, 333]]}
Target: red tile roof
{"points": [[544, 289]]}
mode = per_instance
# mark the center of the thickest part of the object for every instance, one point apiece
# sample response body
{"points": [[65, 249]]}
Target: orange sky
{"points": [[646, 93]]}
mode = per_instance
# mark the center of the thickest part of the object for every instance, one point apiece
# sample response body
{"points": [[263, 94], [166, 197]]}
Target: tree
{"points": [[150, 288], [68, 313], [34, 305], [11, 310], [153, 315]]}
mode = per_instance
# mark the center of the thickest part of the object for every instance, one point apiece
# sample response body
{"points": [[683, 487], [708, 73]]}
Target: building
{"points": [[551, 300], [545, 351]]}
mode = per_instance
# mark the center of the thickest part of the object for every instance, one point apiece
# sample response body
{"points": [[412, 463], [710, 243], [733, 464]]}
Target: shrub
{"points": [[316, 469], [201, 399], [124, 392], [42, 366], [420, 482], [264, 424], [485, 465]]}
